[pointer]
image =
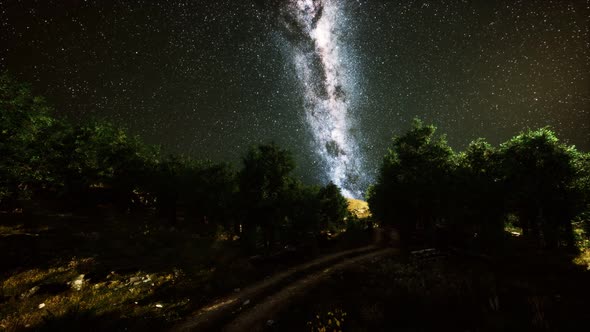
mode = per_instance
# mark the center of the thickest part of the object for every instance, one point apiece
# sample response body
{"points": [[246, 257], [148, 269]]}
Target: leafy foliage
{"points": [[276, 205], [264, 182], [413, 183], [93, 164], [25, 129], [424, 188], [333, 207], [540, 175], [477, 205]]}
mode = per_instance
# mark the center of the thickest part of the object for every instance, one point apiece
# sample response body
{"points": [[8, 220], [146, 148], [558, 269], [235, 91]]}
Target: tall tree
{"points": [[208, 192], [264, 183], [333, 207], [478, 204], [413, 182], [25, 124], [540, 173]]}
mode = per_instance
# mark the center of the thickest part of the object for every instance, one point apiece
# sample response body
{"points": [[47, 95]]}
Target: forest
{"points": [[100, 229]]}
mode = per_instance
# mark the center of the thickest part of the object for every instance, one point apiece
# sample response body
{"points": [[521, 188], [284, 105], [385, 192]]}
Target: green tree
{"points": [[165, 183], [478, 204], [333, 207], [540, 174], [412, 187], [25, 127], [100, 156], [303, 212], [207, 191], [582, 188], [264, 183]]}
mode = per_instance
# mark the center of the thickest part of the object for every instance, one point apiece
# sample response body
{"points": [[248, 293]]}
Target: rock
{"points": [[78, 282], [246, 302], [30, 292], [134, 279], [42, 305], [270, 322], [159, 305]]}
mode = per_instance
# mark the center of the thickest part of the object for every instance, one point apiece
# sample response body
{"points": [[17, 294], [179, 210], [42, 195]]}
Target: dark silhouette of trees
{"points": [[207, 191], [423, 186], [303, 212], [314, 210], [43, 157], [412, 188], [477, 206], [202, 190], [96, 164], [277, 208], [540, 174], [264, 184], [424, 189], [101, 157], [25, 129], [332, 207]]}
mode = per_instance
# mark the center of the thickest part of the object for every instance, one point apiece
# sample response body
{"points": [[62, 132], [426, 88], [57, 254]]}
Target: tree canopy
{"points": [[423, 187], [96, 163]]}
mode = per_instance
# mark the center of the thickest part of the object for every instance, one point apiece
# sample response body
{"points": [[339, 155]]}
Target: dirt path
{"points": [[266, 297], [256, 318]]}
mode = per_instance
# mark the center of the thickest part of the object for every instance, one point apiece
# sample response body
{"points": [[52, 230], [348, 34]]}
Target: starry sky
{"points": [[210, 78]]}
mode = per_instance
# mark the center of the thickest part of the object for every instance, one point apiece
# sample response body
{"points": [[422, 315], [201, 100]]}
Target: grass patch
{"points": [[37, 295], [66, 272], [583, 243], [583, 259]]}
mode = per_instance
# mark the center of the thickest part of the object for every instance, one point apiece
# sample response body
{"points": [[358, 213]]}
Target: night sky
{"points": [[210, 78]]}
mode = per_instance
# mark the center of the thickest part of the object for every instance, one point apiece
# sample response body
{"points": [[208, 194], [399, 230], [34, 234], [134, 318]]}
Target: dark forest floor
{"points": [[447, 292], [115, 272]]}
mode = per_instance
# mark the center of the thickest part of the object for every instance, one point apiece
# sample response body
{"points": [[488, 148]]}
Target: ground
{"points": [[445, 291], [111, 272], [114, 272]]}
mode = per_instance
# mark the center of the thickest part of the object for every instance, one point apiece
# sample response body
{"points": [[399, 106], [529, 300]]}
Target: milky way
{"points": [[312, 26], [208, 79]]}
